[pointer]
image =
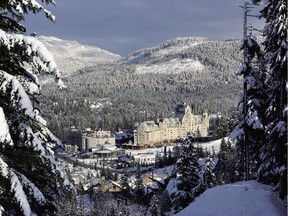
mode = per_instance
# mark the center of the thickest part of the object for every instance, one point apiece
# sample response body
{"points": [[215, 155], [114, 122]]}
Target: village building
{"points": [[170, 129], [111, 186], [101, 143], [145, 158]]}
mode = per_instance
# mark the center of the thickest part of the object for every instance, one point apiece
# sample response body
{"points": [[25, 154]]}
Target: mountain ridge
{"points": [[71, 55], [182, 54]]}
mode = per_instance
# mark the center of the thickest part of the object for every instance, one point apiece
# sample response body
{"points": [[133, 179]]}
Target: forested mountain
{"points": [[148, 84], [191, 54], [71, 56]]}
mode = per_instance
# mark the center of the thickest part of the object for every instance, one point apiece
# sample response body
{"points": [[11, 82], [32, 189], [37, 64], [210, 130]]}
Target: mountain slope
{"points": [[190, 54], [71, 56]]}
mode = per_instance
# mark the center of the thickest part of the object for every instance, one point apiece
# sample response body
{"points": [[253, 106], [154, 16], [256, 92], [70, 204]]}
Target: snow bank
{"points": [[239, 199]]}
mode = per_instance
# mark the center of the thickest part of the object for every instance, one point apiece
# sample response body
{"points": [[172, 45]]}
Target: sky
{"points": [[124, 26]]}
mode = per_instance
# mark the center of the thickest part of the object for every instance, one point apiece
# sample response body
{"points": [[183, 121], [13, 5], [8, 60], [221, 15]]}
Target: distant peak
{"points": [[67, 51]]}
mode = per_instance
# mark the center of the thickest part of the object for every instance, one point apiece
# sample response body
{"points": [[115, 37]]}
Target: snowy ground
{"points": [[149, 150], [212, 144], [172, 67], [209, 146], [239, 199]]}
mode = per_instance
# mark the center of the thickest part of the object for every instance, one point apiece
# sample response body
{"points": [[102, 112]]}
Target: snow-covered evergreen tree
{"points": [[154, 206], [266, 120], [124, 182], [273, 169], [225, 150], [30, 178], [252, 125], [188, 180], [67, 205], [139, 186], [224, 157], [209, 177]]}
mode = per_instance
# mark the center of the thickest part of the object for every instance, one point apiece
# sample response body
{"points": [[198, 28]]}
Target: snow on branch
{"points": [[2, 210], [237, 133], [280, 129], [34, 48], [19, 193], [18, 98], [39, 142], [35, 53], [242, 70], [37, 194], [254, 121], [11, 87], [32, 139], [5, 136], [24, 6], [16, 187]]}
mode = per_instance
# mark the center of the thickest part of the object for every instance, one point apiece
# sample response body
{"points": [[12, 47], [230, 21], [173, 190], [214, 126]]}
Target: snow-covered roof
{"points": [[107, 182], [86, 186], [116, 184], [160, 178], [121, 134], [104, 151], [152, 185], [171, 186], [165, 170], [103, 147], [95, 180], [77, 178], [138, 156]]}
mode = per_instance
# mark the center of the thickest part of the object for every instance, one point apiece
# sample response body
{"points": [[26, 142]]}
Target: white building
{"points": [[145, 158]]}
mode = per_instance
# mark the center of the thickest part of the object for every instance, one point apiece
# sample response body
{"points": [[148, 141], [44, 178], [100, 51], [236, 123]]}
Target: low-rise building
{"points": [[110, 186], [145, 158]]}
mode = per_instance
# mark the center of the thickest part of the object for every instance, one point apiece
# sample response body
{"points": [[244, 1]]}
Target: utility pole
{"points": [[246, 60]]}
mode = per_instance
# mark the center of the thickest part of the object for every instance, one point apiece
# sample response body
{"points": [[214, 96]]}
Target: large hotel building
{"points": [[169, 129]]}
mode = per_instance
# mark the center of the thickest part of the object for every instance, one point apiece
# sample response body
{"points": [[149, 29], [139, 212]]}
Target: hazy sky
{"points": [[124, 26]]}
